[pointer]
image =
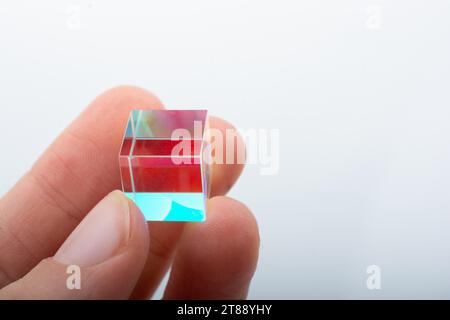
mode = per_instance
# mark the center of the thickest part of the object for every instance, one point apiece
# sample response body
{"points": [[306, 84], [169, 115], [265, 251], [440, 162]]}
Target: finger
{"points": [[216, 259], [165, 236], [223, 174], [75, 172], [104, 256]]}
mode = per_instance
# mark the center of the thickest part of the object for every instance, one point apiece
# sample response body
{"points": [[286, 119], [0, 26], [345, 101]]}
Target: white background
{"points": [[358, 89]]}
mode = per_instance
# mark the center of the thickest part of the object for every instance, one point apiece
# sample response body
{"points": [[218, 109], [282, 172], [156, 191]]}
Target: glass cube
{"points": [[162, 163]]}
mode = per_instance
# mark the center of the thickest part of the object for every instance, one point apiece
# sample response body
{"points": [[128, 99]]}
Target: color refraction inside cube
{"points": [[162, 165]]}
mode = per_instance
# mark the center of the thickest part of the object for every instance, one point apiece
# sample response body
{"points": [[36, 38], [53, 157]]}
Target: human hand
{"points": [[57, 215]]}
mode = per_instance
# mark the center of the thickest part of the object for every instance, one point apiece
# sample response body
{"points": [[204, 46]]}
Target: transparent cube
{"points": [[162, 163]]}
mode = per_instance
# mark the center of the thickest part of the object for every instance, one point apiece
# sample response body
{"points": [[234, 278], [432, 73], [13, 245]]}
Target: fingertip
{"points": [[216, 259], [225, 174], [139, 232], [234, 228]]}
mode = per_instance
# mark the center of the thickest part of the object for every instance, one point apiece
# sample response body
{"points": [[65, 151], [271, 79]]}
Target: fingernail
{"points": [[100, 235]]}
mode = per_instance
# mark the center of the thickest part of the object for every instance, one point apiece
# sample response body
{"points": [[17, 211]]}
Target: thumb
{"points": [[101, 259]]}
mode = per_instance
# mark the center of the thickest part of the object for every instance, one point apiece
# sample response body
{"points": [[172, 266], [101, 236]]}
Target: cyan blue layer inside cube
{"points": [[170, 206]]}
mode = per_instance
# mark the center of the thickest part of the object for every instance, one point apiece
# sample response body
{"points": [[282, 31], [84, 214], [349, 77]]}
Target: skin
{"points": [[211, 260]]}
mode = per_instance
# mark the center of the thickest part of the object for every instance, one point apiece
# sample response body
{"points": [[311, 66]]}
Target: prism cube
{"points": [[163, 164]]}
